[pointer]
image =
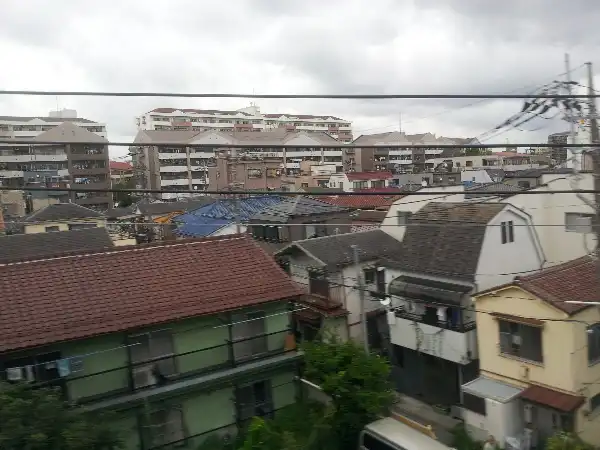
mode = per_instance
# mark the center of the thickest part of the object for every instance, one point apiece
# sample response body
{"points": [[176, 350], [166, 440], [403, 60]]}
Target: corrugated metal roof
{"points": [[294, 207], [494, 390]]}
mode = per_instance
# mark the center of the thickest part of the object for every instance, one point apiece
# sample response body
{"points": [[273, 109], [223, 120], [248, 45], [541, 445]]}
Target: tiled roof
{"points": [[574, 280], [446, 239], [86, 295], [60, 212], [45, 119], [492, 187], [206, 220], [18, 247], [298, 206], [160, 208], [361, 201], [360, 176], [69, 132], [559, 401], [120, 165], [336, 250]]}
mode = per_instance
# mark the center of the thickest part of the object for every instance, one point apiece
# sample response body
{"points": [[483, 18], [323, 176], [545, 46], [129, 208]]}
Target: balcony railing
{"points": [[402, 313], [168, 369]]}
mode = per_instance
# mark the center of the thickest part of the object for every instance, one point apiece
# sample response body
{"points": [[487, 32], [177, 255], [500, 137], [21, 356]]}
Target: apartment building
{"points": [[507, 161], [56, 165], [185, 167], [251, 172], [120, 171], [400, 160], [244, 119], [312, 175]]}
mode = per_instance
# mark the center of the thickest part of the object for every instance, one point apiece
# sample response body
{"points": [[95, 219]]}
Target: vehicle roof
{"points": [[399, 433]]}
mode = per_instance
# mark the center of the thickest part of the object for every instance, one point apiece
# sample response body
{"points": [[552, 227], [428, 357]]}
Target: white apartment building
{"points": [[184, 167], [16, 127], [241, 120]]}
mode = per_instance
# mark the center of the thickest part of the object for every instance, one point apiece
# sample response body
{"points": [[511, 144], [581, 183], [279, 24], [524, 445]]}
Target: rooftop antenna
{"points": [[400, 122]]}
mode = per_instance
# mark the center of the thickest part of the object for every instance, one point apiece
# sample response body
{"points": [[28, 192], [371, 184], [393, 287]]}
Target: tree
{"points": [[38, 419], [360, 391], [566, 441], [124, 199]]}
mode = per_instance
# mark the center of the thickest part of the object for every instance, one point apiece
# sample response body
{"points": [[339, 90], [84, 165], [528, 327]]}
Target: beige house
{"points": [[539, 358], [62, 217]]}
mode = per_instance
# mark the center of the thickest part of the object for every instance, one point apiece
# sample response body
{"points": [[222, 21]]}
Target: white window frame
{"points": [[168, 429], [579, 222]]}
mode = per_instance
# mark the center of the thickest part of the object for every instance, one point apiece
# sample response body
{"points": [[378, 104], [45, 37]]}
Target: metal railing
{"points": [[463, 327]]}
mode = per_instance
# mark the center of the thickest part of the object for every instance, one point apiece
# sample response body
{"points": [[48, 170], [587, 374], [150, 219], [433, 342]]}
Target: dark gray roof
{"points": [[495, 173], [115, 213], [160, 208], [492, 187], [68, 132], [45, 119], [18, 247], [536, 173], [60, 212], [297, 206], [336, 250], [318, 190], [445, 239]]}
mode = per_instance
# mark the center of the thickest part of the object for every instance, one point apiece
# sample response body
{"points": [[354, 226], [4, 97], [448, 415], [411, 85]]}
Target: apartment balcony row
{"points": [[32, 158], [428, 151], [151, 379], [454, 341], [21, 173]]}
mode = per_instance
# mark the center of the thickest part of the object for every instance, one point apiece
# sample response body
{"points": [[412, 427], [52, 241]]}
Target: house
{"points": [[328, 268], [223, 216], [159, 334], [120, 171], [62, 217], [351, 181], [17, 247], [298, 217], [369, 202], [538, 356], [450, 251], [160, 212]]}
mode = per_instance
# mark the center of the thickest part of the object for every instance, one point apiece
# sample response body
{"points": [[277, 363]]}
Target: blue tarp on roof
{"points": [[208, 219]]}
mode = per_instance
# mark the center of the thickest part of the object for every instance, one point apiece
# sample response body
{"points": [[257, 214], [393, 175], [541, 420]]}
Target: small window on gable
{"points": [[507, 231]]}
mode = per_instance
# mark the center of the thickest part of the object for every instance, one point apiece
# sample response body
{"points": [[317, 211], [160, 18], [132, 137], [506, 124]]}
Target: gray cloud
{"points": [[269, 46]]}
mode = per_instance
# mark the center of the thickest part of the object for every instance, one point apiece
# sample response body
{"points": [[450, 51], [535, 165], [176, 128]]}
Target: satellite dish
{"points": [[385, 301]]}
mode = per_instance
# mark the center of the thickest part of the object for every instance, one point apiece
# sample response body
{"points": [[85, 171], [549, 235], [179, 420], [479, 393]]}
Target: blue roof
{"points": [[206, 220]]}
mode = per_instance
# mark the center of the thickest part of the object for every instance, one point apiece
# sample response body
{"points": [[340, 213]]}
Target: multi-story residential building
{"points": [[356, 181], [311, 175], [450, 251], [326, 266], [244, 171], [16, 127], [245, 119], [184, 167], [66, 159], [507, 161], [180, 340], [558, 154], [538, 358], [399, 159]]}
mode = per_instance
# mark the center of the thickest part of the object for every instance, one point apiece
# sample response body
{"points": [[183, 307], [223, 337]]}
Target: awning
{"points": [[428, 290], [493, 389], [553, 399]]}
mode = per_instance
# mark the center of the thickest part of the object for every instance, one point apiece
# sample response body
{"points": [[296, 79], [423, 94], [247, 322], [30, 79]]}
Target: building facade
{"points": [[244, 119]]}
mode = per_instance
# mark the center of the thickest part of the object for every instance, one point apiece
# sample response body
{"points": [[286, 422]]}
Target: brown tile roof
{"points": [[554, 399], [574, 280], [81, 295], [361, 201]]}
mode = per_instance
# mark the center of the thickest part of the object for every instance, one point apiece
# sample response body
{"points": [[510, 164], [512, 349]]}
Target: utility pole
{"points": [[400, 122], [571, 137], [238, 214], [361, 295], [595, 153]]}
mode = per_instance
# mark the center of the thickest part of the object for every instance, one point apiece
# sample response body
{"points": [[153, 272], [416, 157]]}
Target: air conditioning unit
{"points": [[143, 376]]}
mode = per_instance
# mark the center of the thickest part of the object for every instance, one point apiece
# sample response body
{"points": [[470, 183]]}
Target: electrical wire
{"points": [[287, 96]]}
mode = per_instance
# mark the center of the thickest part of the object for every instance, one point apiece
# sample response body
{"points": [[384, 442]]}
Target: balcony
{"points": [[456, 343], [167, 156], [175, 182], [171, 375], [31, 158], [183, 168]]}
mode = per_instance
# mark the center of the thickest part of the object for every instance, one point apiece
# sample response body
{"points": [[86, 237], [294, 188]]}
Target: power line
{"points": [[336, 146], [290, 96]]}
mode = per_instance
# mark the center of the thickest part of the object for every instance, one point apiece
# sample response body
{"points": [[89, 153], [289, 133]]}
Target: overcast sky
{"points": [[312, 47]]}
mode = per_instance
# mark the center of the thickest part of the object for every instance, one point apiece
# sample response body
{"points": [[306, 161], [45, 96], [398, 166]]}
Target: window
{"points": [[522, 341], [359, 185], [370, 275], [370, 442], [81, 226], [165, 427], [254, 400], [254, 173], [315, 230], [248, 333], [148, 347], [593, 338], [524, 184], [318, 283], [403, 217], [595, 402], [266, 233], [52, 228], [578, 222], [508, 232], [474, 403]]}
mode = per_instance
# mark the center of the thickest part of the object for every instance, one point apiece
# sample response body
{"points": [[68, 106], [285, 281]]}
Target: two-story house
{"points": [[327, 266], [450, 250], [181, 339], [62, 217], [539, 357], [354, 181]]}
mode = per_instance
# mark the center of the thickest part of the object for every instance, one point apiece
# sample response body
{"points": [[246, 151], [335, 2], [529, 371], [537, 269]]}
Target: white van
{"points": [[392, 434]]}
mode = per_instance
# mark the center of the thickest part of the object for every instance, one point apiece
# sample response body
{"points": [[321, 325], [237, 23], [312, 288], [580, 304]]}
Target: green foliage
{"points": [[38, 419], [124, 199], [566, 441], [463, 440]]}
